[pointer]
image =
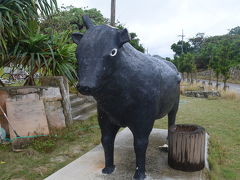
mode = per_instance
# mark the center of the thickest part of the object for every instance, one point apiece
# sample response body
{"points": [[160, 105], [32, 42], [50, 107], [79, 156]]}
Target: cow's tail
{"points": [[179, 77]]}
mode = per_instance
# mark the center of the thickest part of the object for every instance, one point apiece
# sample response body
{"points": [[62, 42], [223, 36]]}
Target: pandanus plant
{"points": [[52, 55], [15, 16]]}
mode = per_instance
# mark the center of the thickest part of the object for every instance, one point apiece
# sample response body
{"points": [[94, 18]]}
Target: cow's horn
{"points": [[87, 22]]}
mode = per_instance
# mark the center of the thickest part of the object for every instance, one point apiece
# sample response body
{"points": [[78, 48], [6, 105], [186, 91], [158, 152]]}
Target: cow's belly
{"points": [[122, 113]]}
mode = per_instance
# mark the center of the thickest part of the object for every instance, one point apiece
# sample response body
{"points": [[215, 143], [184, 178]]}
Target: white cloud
{"points": [[158, 23]]}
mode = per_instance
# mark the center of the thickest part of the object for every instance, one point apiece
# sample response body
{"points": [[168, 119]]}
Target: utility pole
{"points": [[113, 12], [182, 36]]}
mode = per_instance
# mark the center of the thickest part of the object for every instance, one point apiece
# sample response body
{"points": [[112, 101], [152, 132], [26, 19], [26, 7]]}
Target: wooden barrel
{"points": [[186, 147]]}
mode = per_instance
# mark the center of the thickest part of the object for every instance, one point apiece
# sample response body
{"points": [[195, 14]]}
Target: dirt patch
{"points": [[59, 159], [76, 150], [41, 170]]}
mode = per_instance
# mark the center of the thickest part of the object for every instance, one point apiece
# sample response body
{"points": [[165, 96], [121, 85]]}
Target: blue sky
{"points": [[158, 23]]}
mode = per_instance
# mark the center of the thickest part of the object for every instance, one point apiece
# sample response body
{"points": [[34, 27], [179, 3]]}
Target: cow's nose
{"points": [[85, 90]]}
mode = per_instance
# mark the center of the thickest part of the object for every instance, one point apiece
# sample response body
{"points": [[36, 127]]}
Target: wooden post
{"points": [[186, 147], [113, 12]]}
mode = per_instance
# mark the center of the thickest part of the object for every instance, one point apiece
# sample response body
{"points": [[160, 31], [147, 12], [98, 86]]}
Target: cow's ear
{"points": [[124, 37], [77, 37]]}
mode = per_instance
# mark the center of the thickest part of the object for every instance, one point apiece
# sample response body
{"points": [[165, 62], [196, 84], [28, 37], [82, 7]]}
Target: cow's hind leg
{"points": [[109, 132], [172, 115]]}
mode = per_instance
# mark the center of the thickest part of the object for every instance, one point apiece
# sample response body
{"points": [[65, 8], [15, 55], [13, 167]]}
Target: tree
{"points": [[208, 53], [214, 64], [196, 46], [185, 64], [52, 55], [70, 18], [71, 15], [177, 48], [135, 42], [189, 65], [196, 42], [227, 57], [234, 31], [16, 17], [217, 53]]}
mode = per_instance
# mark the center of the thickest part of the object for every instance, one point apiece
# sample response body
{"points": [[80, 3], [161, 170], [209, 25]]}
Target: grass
{"points": [[48, 154], [220, 118], [231, 95]]}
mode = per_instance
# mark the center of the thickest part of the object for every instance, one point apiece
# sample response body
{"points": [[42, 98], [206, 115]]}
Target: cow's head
{"points": [[97, 51]]}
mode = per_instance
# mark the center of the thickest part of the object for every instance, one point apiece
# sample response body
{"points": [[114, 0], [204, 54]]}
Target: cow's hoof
{"points": [[108, 170], [139, 175]]}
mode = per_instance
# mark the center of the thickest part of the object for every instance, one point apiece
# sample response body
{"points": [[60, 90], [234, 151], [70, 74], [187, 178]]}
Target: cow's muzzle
{"points": [[84, 89]]}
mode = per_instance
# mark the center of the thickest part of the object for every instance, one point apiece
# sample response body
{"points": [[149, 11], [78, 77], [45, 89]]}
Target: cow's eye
{"points": [[113, 52]]}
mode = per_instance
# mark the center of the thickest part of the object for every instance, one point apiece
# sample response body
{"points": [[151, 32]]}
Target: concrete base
{"points": [[89, 166]]}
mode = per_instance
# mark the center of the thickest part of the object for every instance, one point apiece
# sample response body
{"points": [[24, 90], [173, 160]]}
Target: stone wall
{"points": [[62, 83], [50, 98], [202, 94]]}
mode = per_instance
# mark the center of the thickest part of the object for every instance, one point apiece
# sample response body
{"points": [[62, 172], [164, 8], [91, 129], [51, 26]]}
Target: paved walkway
{"points": [[88, 166]]}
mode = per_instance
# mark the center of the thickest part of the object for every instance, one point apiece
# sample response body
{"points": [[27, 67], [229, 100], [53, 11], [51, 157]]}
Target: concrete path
{"points": [[88, 166]]}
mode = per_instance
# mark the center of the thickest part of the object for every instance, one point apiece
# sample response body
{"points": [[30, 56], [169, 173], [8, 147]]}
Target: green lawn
{"points": [[47, 155], [221, 119]]}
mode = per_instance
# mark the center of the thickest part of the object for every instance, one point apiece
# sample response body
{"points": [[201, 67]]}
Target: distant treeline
{"points": [[219, 53]]}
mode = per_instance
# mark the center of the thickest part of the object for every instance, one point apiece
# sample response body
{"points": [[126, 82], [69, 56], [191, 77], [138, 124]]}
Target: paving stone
{"points": [[89, 166]]}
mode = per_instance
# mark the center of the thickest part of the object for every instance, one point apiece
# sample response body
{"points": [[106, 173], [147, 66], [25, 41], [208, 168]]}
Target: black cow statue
{"points": [[132, 89]]}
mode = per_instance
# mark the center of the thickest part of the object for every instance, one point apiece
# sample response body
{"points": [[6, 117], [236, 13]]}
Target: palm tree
{"points": [[14, 18], [21, 42], [51, 54]]}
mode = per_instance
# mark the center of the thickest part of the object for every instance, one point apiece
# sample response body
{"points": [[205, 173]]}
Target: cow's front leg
{"points": [[108, 137], [109, 132], [140, 148], [141, 132]]}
